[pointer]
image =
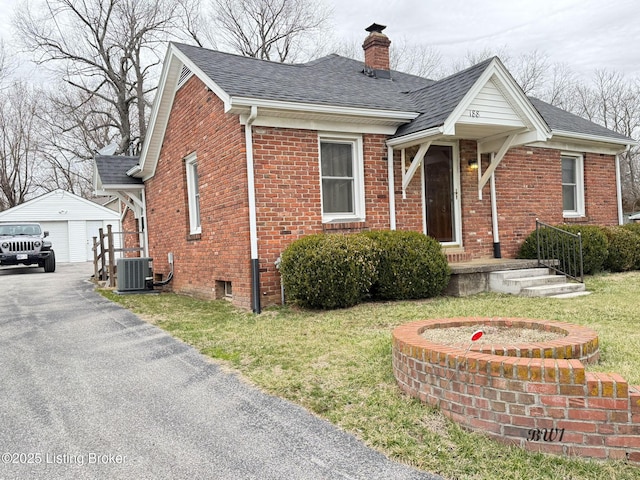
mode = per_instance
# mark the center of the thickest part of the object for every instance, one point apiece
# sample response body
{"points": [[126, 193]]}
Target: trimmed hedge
{"points": [[624, 249], [411, 266], [329, 271], [594, 246], [337, 271]]}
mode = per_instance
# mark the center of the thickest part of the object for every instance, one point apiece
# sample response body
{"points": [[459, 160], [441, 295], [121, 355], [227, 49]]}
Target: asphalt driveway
{"points": [[88, 390]]}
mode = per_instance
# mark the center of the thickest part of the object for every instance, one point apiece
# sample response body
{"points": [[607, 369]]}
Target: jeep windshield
{"points": [[26, 229]]}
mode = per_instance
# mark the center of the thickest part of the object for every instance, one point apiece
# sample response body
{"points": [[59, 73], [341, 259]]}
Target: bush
{"points": [[411, 266], [624, 249], [594, 246], [633, 227], [329, 271]]}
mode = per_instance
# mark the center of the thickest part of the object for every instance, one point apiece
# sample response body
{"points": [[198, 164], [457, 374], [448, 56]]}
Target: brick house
{"points": [[243, 156]]}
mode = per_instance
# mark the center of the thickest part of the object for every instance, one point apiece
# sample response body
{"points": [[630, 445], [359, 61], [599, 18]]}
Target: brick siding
{"points": [[287, 181]]}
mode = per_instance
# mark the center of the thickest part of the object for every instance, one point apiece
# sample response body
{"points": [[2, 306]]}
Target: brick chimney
{"points": [[376, 52]]}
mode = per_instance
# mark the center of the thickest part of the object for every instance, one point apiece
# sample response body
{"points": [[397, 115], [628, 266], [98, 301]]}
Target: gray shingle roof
{"points": [[330, 80], [113, 169], [438, 100], [559, 119], [339, 81]]}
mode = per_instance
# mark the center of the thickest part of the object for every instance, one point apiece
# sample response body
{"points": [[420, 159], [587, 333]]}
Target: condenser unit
{"points": [[134, 274]]}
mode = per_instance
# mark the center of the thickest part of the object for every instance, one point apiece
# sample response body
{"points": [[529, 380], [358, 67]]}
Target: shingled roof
{"points": [[330, 80], [112, 169], [339, 81]]}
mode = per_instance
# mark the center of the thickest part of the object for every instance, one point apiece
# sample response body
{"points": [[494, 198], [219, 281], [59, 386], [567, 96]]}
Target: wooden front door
{"points": [[439, 193]]}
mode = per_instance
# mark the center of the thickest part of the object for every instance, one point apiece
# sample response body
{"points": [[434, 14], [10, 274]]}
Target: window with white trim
{"points": [[572, 185], [193, 192], [342, 178]]}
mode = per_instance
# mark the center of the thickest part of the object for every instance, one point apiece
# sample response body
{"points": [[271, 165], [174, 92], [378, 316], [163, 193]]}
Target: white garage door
{"points": [[59, 236]]}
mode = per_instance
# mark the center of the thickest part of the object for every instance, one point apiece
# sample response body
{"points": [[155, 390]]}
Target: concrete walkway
{"points": [[88, 390]]}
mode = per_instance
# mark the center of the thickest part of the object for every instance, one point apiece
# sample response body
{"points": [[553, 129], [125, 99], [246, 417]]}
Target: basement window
{"points": [[224, 289]]}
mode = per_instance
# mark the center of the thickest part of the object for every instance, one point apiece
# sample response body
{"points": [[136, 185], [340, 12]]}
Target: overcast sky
{"points": [[585, 34]]}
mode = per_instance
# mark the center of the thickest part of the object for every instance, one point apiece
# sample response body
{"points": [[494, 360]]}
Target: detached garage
{"points": [[71, 221]]}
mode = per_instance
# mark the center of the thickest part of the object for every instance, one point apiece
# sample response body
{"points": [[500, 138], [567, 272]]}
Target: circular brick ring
{"points": [[578, 342]]}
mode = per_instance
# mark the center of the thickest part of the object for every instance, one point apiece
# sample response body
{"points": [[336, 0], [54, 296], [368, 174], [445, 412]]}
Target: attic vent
{"points": [[184, 76]]}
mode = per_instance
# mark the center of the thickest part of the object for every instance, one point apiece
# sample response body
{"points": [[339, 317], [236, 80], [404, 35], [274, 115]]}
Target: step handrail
{"points": [[560, 250]]}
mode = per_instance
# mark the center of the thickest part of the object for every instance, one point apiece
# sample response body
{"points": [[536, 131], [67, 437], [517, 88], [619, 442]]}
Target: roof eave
{"points": [[241, 105], [416, 137], [122, 186], [625, 142]]}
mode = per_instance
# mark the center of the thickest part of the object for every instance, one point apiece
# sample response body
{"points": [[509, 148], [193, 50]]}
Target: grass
{"points": [[338, 365]]}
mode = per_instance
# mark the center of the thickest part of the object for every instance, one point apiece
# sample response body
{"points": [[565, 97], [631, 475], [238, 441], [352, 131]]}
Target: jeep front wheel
{"points": [[50, 263]]}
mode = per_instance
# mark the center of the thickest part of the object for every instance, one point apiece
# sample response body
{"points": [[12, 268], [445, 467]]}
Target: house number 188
{"points": [[474, 113]]}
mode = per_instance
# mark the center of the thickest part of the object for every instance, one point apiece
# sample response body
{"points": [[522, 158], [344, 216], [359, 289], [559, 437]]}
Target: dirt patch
{"points": [[461, 336]]}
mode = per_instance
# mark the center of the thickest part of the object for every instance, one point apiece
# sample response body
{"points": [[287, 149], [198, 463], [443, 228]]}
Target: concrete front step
{"points": [[570, 295], [521, 272], [532, 282], [552, 290]]}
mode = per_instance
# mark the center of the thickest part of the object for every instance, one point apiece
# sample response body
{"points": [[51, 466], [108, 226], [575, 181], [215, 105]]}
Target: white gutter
{"points": [[134, 170], [594, 138], [415, 138], [396, 115], [392, 196]]}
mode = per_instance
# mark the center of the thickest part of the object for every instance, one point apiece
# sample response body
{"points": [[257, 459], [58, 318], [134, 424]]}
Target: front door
{"points": [[441, 193]]}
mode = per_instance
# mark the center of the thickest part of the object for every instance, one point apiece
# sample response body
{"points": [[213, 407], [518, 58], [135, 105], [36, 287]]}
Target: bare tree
{"points": [[530, 71], [420, 60], [268, 29], [19, 144], [106, 49], [559, 90]]}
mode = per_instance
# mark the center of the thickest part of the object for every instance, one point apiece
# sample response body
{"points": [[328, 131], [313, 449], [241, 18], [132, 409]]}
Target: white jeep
{"points": [[25, 244]]}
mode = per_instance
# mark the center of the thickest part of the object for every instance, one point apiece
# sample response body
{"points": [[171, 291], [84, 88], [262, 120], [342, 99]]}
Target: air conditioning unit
{"points": [[133, 274]]}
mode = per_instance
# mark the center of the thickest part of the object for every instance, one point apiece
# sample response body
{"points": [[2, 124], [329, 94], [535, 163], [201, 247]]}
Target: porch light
{"points": [[473, 163]]}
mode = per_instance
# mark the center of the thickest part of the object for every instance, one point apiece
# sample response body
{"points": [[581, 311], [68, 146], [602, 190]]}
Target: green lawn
{"points": [[338, 365]]}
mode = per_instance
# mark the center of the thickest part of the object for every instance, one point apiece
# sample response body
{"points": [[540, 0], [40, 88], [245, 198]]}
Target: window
{"points": [[341, 171], [572, 185], [193, 192]]}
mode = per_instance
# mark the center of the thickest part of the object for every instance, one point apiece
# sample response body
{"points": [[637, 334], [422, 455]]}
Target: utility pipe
{"points": [[494, 215], [253, 227]]}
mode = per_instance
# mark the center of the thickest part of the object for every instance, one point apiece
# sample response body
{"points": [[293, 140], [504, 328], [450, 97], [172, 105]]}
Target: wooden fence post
{"points": [[103, 275], [95, 258], [112, 270]]}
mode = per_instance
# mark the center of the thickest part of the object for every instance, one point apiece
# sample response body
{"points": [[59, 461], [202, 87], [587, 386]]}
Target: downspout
{"points": [[619, 189], [145, 230], [494, 215], [253, 227], [392, 196]]}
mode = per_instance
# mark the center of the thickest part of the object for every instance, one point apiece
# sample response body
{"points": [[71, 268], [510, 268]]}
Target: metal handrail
{"points": [[560, 250]]}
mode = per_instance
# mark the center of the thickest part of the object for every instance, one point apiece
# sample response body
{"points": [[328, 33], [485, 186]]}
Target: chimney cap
{"points": [[375, 28]]}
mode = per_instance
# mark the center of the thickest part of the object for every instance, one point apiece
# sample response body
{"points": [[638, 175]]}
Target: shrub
{"points": [[624, 249], [411, 266], [633, 227], [594, 246], [329, 271]]}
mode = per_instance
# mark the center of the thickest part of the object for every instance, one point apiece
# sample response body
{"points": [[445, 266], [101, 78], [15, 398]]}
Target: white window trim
{"points": [[580, 211], [195, 227], [358, 180]]}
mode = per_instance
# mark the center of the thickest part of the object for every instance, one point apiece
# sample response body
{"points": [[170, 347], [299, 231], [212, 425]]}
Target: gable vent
{"points": [[184, 76]]}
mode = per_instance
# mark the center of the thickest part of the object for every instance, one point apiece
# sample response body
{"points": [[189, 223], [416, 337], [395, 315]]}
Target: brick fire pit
{"points": [[536, 395]]}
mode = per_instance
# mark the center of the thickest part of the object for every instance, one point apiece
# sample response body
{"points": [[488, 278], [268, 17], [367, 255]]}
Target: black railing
{"points": [[560, 250]]}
